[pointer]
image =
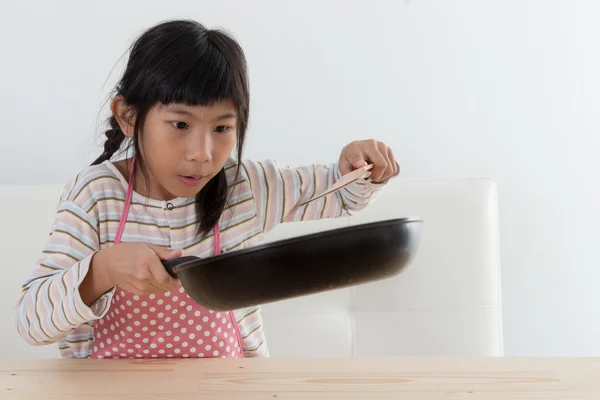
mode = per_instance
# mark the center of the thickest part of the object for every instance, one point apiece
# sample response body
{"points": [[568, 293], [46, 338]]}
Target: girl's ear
{"points": [[124, 115]]}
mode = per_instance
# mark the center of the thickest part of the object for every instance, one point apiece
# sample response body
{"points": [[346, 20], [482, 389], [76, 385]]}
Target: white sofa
{"points": [[447, 303]]}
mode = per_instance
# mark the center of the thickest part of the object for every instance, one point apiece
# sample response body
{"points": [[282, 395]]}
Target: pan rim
{"points": [[283, 242]]}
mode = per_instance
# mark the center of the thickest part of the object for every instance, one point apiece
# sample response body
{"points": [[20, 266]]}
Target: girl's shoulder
{"points": [[94, 182]]}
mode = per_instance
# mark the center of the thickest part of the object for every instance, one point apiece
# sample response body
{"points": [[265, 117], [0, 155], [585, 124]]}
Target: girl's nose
{"points": [[199, 148]]}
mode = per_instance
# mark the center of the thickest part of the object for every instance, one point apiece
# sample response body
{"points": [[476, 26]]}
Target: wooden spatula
{"points": [[343, 182]]}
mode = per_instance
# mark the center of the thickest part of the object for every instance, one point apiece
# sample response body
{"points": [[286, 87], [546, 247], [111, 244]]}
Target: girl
{"points": [[99, 288]]}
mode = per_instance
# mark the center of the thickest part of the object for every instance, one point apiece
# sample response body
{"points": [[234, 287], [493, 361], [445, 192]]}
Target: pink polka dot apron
{"points": [[167, 324]]}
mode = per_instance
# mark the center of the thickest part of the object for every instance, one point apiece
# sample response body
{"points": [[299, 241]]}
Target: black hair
{"points": [[181, 61]]}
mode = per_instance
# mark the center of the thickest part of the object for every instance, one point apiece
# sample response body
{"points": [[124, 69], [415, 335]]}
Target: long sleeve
{"points": [[50, 305], [279, 191]]}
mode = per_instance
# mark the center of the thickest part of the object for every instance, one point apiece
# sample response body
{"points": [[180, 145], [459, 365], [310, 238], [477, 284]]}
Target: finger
{"points": [[158, 277], [378, 160], [153, 286], [360, 164], [394, 162], [352, 158], [139, 288], [165, 253], [389, 171], [355, 156], [150, 286], [162, 278]]}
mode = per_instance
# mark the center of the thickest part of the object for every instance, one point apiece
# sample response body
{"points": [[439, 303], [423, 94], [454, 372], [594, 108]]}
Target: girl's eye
{"points": [[179, 124], [222, 129]]}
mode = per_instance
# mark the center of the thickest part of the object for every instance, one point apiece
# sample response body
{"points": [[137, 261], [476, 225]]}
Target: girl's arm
{"points": [[278, 191], [50, 305]]}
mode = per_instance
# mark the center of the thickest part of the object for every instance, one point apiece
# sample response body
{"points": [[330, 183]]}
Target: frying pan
{"points": [[299, 266]]}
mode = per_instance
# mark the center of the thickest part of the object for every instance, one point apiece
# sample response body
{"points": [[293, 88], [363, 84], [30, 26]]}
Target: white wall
{"points": [[507, 90]]}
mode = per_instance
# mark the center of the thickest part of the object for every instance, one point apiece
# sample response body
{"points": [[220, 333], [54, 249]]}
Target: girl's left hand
{"points": [[363, 152]]}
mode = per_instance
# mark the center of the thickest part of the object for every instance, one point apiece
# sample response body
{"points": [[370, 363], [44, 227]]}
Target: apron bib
{"points": [[162, 325]]}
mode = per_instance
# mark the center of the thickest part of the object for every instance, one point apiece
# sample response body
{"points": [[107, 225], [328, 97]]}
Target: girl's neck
{"points": [[140, 181]]}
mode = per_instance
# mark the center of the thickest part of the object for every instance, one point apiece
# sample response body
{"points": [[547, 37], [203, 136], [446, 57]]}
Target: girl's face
{"points": [[185, 146]]}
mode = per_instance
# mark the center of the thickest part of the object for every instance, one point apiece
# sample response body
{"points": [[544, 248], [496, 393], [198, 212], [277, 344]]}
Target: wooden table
{"points": [[382, 378]]}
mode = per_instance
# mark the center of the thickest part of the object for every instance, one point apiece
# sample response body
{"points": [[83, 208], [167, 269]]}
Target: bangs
{"points": [[199, 79], [199, 69]]}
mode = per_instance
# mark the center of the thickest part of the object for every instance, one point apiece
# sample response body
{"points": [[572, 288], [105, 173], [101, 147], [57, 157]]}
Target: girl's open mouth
{"points": [[191, 180]]}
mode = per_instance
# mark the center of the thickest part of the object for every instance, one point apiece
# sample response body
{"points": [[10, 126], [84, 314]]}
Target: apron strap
{"points": [[127, 204], [217, 240]]}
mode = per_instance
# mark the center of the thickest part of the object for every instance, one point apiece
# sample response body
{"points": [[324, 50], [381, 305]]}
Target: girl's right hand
{"points": [[135, 267]]}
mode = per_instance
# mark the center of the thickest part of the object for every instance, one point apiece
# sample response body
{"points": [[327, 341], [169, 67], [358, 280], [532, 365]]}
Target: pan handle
{"points": [[171, 265]]}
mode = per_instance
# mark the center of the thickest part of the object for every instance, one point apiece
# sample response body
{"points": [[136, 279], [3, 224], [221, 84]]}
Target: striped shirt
{"points": [[264, 194]]}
